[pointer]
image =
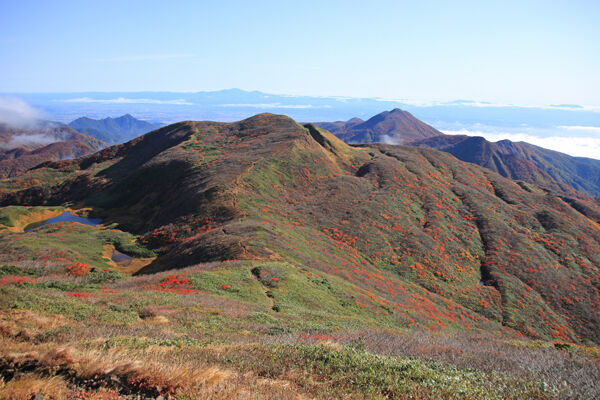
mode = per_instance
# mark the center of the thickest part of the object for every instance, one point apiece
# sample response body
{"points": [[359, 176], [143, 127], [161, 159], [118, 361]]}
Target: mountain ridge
{"points": [[394, 222], [393, 127], [113, 130], [523, 161]]}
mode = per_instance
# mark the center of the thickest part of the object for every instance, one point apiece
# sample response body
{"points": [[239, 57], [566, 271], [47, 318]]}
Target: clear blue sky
{"points": [[524, 52]]}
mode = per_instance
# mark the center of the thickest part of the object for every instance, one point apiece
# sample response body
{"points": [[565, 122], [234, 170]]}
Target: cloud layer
{"points": [[124, 100], [275, 105], [17, 113], [29, 140]]}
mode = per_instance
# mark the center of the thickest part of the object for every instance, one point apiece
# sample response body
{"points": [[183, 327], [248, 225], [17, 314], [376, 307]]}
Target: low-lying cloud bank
{"points": [[578, 146], [388, 139], [125, 100], [17, 113], [29, 140], [273, 105]]}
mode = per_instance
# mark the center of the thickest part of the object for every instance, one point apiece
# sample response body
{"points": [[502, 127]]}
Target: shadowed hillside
{"points": [[523, 161]]}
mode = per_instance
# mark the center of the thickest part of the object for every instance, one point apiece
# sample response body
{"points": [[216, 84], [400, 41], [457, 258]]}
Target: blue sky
{"points": [[519, 52]]}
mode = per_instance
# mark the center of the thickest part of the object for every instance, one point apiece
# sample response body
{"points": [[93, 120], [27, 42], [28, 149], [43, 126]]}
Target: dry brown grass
{"points": [[28, 385], [26, 325], [148, 374]]}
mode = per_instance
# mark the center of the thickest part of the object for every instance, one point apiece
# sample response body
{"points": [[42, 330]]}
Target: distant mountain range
{"points": [[522, 161], [114, 130], [475, 118], [22, 149]]}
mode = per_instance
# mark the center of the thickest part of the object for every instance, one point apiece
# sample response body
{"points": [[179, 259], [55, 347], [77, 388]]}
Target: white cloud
{"points": [[568, 107], [123, 100], [410, 102], [273, 105], [591, 129], [18, 113], [574, 146], [487, 104], [388, 139], [29, 140]]}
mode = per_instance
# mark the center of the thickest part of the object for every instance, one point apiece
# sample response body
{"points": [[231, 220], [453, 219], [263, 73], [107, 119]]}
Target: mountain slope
{"points": [[417, 236], [523, 161], [21, 149], [113, 130], [339, 126], [393, 127]]}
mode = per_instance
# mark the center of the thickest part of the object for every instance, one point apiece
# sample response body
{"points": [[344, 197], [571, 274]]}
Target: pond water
{"points": [[118, 257], [65, 217]]}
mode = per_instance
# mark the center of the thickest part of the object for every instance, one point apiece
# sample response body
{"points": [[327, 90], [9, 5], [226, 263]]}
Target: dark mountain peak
{"points": [[268, 120], [81, 119], [399, 111], [395, 115], [126, 117], [477, 140], [395, 126], [267, 117]]}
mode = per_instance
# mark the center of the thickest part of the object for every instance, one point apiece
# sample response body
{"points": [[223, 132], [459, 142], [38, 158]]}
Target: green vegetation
{"points": [[352, 372], [126, 243], [10, 216]]}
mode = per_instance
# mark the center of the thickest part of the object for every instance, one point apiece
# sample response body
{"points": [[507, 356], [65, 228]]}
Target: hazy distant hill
{"points": [[523, 161], [391, 127], [113, 130], [21, 149], [338, 126]]}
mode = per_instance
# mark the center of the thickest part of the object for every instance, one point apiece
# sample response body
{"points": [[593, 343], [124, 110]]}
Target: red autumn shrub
{"points": [[78, 269], [79, 294], [173, 281], [173, 284], [15, 280]]}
